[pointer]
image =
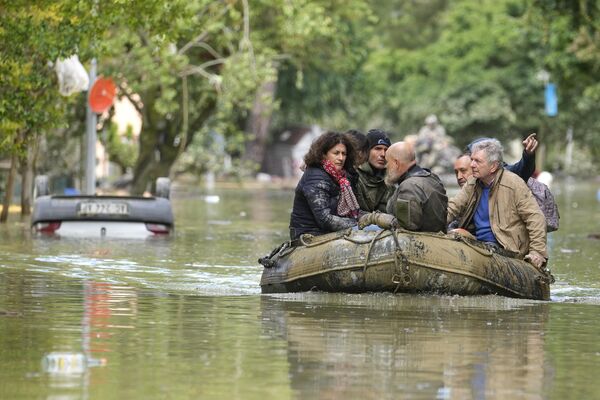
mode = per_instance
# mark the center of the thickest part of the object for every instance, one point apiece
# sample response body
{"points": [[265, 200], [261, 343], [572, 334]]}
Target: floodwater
{"points": [[183, 318]]}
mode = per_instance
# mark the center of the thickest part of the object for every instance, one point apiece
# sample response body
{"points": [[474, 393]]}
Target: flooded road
{"points": [[183, 317]]}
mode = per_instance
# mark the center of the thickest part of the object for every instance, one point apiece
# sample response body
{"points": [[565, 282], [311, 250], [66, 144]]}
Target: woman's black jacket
{"points": [[315, 204]]}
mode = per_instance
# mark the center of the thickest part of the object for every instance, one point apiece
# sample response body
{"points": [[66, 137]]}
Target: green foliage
{"points": [[569, 38], [408, 24], [318, 85], [301, 43], [122, 147], [33, 35], [195, 67], [475, 74], [60, 153]]}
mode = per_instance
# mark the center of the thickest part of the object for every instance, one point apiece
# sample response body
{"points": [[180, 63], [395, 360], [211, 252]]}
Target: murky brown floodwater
{"points": [[184, 318]]}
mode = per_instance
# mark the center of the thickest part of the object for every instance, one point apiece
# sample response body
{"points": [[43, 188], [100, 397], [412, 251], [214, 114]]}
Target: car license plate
{"points": [[104, 208]]}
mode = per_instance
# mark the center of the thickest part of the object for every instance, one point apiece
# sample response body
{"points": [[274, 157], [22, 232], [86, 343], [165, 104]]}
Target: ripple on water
{"points": [[565, 293], [165, 275]]}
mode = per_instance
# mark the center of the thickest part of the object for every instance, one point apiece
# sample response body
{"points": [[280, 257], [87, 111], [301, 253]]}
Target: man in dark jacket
{"points": [[419, 201], [371, 192]]}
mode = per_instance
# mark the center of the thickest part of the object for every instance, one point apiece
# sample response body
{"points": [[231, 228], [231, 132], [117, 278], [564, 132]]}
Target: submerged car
{"points": [[102, 216]]}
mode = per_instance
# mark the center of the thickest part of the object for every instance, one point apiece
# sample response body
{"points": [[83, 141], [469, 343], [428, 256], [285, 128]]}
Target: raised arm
{"points": [[525, 167]]}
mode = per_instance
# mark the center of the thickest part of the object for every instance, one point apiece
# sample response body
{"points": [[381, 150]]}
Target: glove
{"points": [[365, 220], [535, 259], [382, 220], [385, 221]]}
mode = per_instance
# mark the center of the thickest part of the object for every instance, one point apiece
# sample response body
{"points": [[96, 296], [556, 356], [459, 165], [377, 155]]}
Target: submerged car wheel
{"points": [[163, 187], [41, 187]]}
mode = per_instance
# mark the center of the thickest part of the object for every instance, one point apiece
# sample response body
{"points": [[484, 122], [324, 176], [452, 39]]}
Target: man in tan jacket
{"points": [[500, 206]]}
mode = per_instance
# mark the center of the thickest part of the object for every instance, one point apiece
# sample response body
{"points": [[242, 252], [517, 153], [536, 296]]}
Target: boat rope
{"points": [[382, 234], [402, 277], [376, 237], [546, 276], [308, 240], [268, 261], [483, 251]]}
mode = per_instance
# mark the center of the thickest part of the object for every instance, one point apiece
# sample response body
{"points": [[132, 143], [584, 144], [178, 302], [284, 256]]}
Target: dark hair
{"points": [[361, 145], [321, 145]]}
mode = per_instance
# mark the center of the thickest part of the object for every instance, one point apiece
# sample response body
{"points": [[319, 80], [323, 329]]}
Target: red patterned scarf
{"points": [[347, 205]]}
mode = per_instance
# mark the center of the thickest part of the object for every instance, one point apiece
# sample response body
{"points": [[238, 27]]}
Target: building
{"points": [[285, 154]]}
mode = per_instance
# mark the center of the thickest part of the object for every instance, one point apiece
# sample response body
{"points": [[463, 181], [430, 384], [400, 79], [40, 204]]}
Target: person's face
{"points": [[337, 156], [377, 156], [462, 170], [395, 169], [391, 175], [482, 169]]}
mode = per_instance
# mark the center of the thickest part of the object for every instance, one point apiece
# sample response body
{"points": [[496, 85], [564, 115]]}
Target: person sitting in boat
{"points": [[324, 200], [525, 167], [371, 191], [360, 145], [500, 205], [419, 200]]}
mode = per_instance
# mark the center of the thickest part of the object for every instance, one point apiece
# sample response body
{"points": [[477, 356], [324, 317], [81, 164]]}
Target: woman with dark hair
{"points": [[324, 201], [361, 146]]}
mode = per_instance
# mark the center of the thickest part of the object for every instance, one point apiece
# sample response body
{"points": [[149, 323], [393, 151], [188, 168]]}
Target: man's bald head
{"points": [[401, 151], [400, 157]]}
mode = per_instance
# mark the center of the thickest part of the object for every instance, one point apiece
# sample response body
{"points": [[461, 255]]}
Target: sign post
{"points": [[101, 95], [91, 121]]}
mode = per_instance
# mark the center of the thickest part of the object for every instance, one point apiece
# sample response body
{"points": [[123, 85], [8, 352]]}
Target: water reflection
{"points": [[102, 304], [423, 347], [184, 318]]}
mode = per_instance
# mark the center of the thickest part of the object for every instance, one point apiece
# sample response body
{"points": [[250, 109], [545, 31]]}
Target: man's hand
{"points": [[365, 220], [535, 259], [530, 144], [383, 220]]}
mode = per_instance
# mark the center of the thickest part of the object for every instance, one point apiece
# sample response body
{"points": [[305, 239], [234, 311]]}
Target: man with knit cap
{"points": [[372, 193]]}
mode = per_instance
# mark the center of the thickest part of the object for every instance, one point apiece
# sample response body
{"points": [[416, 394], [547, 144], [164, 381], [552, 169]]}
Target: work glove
{"points": [[536, 260], [382, 220], [365, 220]]}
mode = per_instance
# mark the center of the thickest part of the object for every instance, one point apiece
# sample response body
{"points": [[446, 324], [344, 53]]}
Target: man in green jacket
{"points": [[500, 205], [372, 193], [419, 200]]}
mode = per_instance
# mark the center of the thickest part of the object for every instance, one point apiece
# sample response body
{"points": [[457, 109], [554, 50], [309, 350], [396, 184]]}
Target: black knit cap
{"points": [[376, 137]]}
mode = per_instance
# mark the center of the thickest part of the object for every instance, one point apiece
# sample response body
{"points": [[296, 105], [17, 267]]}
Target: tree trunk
{"points": [[259, 121], [158, 147], [143, 165], [27, 168], [9, 188], [157, 155]]}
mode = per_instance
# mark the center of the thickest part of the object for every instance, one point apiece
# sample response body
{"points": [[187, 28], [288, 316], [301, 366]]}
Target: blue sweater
{"points": [[483, 228]]}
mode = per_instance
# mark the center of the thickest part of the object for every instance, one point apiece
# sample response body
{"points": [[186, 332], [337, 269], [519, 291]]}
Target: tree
{"points": [[33, 35], [476, 73], [219, 72], [568, 34]]}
